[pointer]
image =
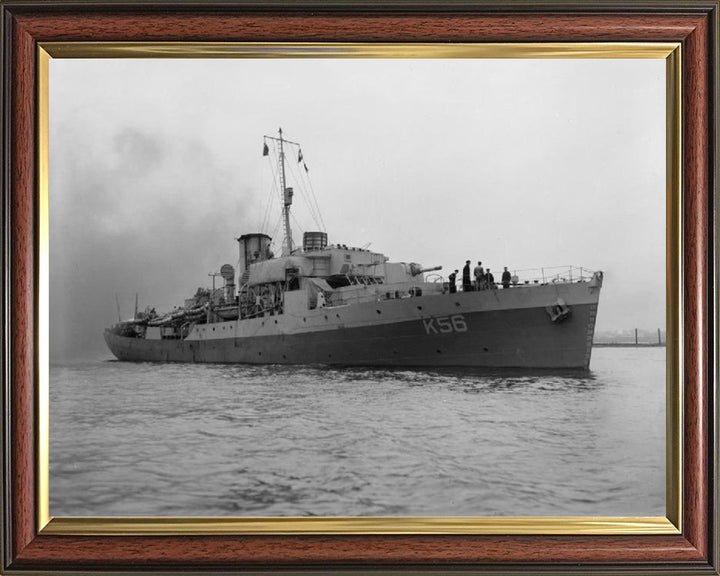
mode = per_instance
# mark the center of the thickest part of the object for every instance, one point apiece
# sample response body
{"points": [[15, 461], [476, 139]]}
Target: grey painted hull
{"points": [[473, 329]]}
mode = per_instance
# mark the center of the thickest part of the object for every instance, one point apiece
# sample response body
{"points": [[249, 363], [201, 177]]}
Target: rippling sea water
{"points": [[213, 440]]}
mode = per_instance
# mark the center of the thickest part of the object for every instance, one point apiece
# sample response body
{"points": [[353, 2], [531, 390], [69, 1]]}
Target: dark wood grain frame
{"points": [[692, 23]]}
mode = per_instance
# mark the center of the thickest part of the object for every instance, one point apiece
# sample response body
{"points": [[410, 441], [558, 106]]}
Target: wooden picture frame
{"points": [[30, 547]]}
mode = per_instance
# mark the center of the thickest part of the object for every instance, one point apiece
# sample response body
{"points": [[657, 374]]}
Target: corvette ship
{"points": [[332, 304]]}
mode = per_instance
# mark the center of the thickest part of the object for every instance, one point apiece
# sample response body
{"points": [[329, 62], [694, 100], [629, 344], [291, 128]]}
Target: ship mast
{"points": [[287, 202], [285, 191]]}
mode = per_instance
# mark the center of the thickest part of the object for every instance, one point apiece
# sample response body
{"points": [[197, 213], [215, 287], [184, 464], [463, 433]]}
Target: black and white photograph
{"points": [[357, 287]]}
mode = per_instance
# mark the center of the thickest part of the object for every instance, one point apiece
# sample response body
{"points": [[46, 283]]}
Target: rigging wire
{"points": [[266, 215], [271, 200], [306, 176], [303, 183], [299, 227], [301, 189], [267, 201], [277, 227], [304, 194], [306, 182]]}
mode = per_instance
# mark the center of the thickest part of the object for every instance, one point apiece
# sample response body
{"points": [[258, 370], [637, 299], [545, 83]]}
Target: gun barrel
{"points": [[423, 270]]}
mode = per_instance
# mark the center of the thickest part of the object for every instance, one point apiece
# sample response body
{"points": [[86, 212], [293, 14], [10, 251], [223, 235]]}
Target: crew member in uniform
{"points": [[490, 280], [451, 282], [467, 285], [479, 274], [506, 278]]}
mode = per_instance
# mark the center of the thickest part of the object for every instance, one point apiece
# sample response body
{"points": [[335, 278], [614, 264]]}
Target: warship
{"points": [[332, 304]]}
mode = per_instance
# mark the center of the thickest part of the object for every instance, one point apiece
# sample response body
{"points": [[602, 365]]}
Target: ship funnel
{"points": [[314, 241], [253, 248]]}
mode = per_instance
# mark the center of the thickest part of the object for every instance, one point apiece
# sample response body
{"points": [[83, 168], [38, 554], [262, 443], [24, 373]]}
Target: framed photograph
{"points": [[359, 286]]}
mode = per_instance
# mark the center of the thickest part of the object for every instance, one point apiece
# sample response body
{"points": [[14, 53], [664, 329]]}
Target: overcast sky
{"points": [[156, 166]]}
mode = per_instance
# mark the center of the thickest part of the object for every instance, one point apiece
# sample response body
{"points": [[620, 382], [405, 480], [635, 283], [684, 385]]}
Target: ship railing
{"points": [[542, 276], [553, 275]]}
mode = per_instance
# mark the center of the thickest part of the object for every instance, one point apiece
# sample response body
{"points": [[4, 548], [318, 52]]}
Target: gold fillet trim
{"points": [[376, 525], [356, 50], [43, 386]]}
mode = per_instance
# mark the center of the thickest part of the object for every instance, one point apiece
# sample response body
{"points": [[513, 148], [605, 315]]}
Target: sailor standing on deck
{"points": [[479, 274], [490, 280], [467, 285], [506, 278], [451, 282]]}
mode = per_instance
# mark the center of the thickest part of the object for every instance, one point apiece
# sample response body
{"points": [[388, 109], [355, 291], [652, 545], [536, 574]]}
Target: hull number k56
{"points": [[445, 324]]}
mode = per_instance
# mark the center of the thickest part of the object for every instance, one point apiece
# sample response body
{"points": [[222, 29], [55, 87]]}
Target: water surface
{"points": [[214, 440]]}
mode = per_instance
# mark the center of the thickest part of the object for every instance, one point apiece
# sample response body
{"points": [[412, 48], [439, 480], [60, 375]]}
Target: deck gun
{"points": [[417, 269]]}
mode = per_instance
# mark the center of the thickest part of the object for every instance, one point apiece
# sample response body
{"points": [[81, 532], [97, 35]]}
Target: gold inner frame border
{"points": [[670, 524]]}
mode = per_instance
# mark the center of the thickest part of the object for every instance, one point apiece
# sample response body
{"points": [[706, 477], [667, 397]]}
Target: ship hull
{"points": [[473, 329]]}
